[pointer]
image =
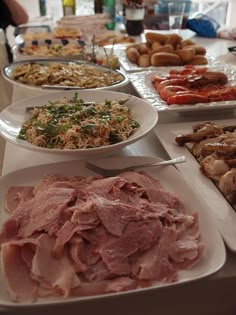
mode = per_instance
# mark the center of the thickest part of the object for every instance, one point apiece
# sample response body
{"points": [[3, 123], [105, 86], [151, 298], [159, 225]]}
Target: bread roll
{"points": [[186, 54], [156, 37], [165, 48], [198, 60], [132, 54], [156, 45], [200, 50], [142, 48], [174, 40], [144, 60], [165, 59], [186, 42]]}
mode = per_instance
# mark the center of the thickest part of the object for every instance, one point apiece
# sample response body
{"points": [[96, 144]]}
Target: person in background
{"points": [[11, 13]]}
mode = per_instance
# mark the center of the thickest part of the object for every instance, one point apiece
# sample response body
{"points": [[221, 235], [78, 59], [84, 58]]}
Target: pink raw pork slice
{"points": [[73, 236]]}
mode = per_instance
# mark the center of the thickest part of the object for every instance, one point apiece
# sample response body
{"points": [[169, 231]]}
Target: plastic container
{"points": [[120, 27]]}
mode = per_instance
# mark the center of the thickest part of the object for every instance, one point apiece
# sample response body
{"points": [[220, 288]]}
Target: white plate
{"points": [[13, 117], [132, 67], [142, 82], [8, 69], [222, 211], [19, 56], [214, 255]]}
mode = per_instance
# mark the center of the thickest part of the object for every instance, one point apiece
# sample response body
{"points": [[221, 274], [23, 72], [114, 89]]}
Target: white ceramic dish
{"points": [[7, 73], [214, 255], [132, 67], [30, 37], [12, 118], [142, 82], [222, 211], [18, 55]]}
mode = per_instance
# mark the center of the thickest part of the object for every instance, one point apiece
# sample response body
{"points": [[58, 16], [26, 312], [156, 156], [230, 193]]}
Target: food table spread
{"points": [[212, 293]]}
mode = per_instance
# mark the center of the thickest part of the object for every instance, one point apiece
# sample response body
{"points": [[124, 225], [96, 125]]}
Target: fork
{"points": [[120, 101], [115, 171]]}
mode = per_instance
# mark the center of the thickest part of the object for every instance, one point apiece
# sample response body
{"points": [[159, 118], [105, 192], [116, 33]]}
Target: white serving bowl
{"points": [[8, 70], [13, 117]]}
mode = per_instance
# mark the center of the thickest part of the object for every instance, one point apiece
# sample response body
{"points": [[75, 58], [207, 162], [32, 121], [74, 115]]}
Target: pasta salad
{"points": [[75, 124]]}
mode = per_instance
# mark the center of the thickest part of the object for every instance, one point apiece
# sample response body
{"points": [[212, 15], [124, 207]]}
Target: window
{"points": [[217, 10]]}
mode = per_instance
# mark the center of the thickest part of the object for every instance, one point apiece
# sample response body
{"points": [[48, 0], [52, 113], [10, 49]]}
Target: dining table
{"points": [[214, 294]]}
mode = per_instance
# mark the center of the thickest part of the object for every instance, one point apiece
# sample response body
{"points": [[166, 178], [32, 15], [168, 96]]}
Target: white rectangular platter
{"points": [[142, 82], [214, 254], [79, 55], [222, 212], [132, 67]]}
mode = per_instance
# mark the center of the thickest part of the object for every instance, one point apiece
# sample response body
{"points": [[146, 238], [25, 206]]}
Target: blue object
{"points": [[203, 25]]}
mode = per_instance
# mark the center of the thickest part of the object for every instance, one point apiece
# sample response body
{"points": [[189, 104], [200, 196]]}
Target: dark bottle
{"points": [[97, 6], [134, 20], [134, 27], [42, 7]]}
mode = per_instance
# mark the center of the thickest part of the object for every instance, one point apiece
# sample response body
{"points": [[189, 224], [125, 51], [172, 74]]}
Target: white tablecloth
{"points": [[215, 294]]}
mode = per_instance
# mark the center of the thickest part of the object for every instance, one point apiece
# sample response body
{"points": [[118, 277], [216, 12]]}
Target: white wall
{"points": [[231, 20], [31, 6]]}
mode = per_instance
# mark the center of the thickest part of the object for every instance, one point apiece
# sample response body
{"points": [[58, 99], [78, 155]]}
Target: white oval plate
{"points": [[214, 255], [13, 117], [7, 73]]}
